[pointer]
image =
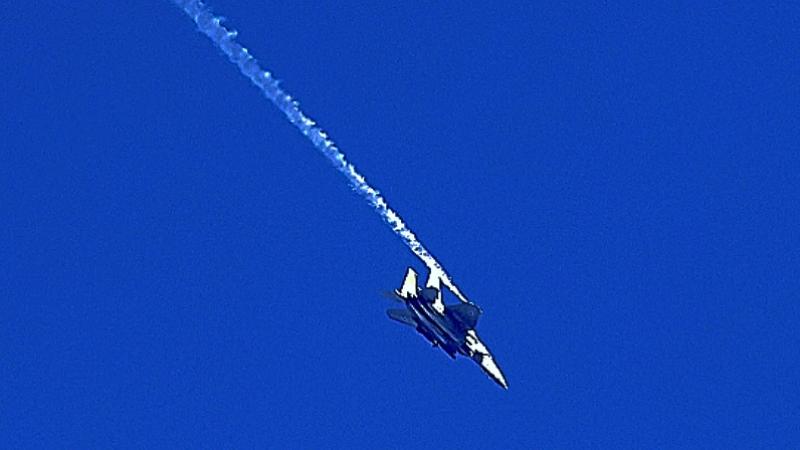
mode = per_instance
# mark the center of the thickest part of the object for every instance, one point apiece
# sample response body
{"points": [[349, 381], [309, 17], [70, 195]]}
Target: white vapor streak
{"points": [[226, 41]]}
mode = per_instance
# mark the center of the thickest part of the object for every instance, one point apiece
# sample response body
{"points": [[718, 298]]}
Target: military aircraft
{"points": [[450, 327]]}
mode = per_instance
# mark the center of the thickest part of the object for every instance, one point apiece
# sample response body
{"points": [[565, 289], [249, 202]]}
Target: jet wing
{"points": [[465, 313], [409, 288]]}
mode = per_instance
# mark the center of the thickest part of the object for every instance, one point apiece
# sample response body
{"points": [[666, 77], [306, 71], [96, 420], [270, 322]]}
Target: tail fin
{"points": [[393, 295], [409, 288]]}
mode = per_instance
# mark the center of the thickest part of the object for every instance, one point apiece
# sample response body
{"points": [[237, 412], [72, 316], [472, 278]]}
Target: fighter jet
{"points": [[449, 327]]}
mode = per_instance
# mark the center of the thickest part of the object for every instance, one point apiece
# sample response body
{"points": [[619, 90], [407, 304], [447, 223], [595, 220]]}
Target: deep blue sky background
{"points": [[616, 186]]}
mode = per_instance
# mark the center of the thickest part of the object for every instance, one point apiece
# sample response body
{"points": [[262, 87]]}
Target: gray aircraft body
{"points": [[449, 327]]}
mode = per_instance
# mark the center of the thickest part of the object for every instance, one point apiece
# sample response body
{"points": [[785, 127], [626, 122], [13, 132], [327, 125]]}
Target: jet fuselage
{"points": [[438, 328]]}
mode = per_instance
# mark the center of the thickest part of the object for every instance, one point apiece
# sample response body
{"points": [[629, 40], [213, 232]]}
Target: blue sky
{"points": [[615, 185]]}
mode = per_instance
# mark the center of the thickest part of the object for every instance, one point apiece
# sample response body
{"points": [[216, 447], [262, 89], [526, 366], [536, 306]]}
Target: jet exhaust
{"points": [[225, 40]]}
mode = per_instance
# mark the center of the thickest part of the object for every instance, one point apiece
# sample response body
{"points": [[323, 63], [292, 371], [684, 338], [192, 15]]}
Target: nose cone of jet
{"points": [[489, 366]]}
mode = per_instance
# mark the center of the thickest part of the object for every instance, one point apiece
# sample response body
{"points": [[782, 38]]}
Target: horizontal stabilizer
{"points": [[402, 316], [394, 296], [466, 313]]}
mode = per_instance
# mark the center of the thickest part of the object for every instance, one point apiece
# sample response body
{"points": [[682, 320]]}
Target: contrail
{"points": [[225, 39]]}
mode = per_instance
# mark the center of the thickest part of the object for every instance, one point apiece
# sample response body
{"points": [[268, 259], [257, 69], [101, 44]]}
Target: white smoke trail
{"points": [[226, 41]]}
